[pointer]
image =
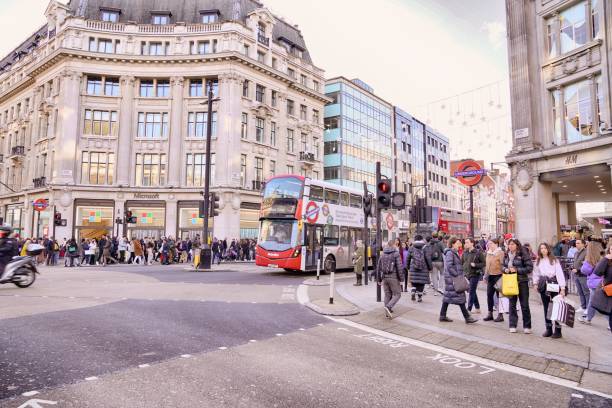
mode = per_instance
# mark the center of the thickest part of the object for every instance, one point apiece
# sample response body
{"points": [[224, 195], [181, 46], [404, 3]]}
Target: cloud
{"points": [[496, 33]]}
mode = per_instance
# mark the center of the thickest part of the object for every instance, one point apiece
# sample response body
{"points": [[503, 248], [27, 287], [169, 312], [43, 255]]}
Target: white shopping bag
{"points": [[503, 305]]}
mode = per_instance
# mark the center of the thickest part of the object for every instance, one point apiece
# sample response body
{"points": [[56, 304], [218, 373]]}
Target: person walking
{"points": [[419, 265], [473, 261], [358, 260], [494, 262], [138, 252], [579, 278], [435, 250], [604, 269], [453, 269], [547, 269], [593, 256], [518, 261], [389, 276], [72, 252]]}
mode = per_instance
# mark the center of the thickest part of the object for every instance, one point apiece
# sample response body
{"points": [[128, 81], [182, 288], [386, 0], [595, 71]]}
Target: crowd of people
{"points": [[454, 268], [144, 251]]}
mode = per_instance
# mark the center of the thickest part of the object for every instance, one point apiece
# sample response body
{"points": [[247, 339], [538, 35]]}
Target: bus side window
{"points": [[332, 196], [356, 201], [344, 199], [344, 236], [316, 193], [330, 235]]}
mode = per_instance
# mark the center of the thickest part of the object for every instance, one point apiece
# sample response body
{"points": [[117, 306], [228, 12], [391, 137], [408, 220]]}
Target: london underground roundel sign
{"points": [[40, 205], [469, 173], [312, 212]]}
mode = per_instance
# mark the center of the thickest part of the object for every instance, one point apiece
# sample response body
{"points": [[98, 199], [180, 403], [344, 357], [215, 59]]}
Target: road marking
{"points": [[302, 329], [476, 359], [279, 334], [185, 355], [30, 393], [143, 366], [302, 294], [252, 341], [35, 403], [91, 378], [222, 348], [343, 328], [456, 362], [382, 340], [579, 396]]}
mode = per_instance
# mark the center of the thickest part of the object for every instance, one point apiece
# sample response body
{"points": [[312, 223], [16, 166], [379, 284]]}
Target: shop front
{"points": [[249, 220], [14, 216], [93, 219], [189, 222], [150, 219]]}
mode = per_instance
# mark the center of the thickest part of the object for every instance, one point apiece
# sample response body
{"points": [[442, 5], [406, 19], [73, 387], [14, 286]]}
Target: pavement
{"points": [[239, 336]]}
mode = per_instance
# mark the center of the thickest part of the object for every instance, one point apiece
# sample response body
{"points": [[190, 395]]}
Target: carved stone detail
{"points": [[523, 175]]}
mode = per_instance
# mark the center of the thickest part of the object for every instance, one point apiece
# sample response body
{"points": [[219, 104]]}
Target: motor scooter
{"points": [[22, 270]]}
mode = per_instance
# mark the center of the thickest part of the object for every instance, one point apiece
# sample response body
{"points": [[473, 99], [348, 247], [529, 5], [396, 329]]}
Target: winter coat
{"points": [[434, 247], [358, 257], [137, 248], [474, 256], [390, 255], [522, 263], [604, 269], [418, 275], [593, 280], [578, 260], [106, 251], [452, 269], [494, 262]]}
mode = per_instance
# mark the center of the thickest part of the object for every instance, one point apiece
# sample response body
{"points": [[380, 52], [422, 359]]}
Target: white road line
{"points": [[222, 348], [302, 329], [302, 294], [252, 341], [91, 378], [143, 366], [479, 360], [579, 396], [279, 334], [30, 393], [185, 355]]}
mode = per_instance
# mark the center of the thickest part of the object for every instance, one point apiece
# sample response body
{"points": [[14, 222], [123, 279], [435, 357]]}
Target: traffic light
{"points": [[129, 217], [398, 201], [383, 193], [57, 218], [202, 209], [367, 205], [214, 205]]}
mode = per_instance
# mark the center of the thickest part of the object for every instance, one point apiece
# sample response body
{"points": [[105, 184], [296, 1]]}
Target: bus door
{"points": [[345, 250], [313, 243]]}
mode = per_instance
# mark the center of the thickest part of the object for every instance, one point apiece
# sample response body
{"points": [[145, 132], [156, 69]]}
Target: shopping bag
{"points": [[503, 305], [510, 284], [570, 315], [196, 259]]}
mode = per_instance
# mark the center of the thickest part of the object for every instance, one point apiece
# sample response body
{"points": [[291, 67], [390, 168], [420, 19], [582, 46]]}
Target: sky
{"points": [[444, 61]]}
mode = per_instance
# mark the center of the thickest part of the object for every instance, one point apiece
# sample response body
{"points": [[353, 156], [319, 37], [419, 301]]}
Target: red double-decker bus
{"points": [[452, 222], [304, 222]]}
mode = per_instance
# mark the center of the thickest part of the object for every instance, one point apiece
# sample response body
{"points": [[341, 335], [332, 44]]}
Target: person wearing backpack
{"points": [[453, 270], [473, 260], [435, 249], [419, 265], [389, 275]]}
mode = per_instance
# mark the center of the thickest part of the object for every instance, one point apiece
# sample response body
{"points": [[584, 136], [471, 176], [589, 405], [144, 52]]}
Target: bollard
{"points": [[331, 287], [318, 267]]}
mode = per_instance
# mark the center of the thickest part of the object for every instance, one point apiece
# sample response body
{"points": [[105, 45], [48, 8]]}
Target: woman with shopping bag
{"points": [[602, 299], [548, 277], [515, 283]]}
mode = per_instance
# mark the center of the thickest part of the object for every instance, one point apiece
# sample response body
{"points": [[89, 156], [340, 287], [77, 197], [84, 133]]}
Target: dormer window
{"points": [[110, 15], [160, 18], [209, 16]]}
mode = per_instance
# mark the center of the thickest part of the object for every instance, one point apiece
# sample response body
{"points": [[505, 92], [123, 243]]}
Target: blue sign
{"points": [[470, 173]]}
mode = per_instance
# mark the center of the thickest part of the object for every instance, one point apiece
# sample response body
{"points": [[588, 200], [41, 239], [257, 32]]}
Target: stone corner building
{"points": [[103, 111], [560, 55]]}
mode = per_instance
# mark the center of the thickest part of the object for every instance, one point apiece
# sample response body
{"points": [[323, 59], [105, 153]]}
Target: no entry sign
{"points": [[469, 173]]}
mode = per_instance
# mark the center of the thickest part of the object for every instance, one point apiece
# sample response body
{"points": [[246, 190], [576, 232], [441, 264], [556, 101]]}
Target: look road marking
{"points": [[444, 359]]}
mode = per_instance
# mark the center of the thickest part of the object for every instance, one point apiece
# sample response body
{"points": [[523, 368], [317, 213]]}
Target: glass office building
{"points": [[358, 133]]}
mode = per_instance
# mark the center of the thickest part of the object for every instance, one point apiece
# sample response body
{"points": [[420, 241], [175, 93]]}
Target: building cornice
{"points": [[601, 141]]}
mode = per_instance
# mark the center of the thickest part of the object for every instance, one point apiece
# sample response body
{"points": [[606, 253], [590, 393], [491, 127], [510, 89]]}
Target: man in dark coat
{"points": [[389, 275], [474, 261], [419, 264], [453, 269]]}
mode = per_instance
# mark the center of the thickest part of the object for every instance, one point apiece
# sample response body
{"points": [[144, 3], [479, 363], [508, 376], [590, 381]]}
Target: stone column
{"points": [[171, 218], [126, 124], [229, 116], [66, 140], [176, 135]]}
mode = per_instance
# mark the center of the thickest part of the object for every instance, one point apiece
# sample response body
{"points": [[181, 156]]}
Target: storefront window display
{"points": [[14, 217], [150, 221], [93, 221]]}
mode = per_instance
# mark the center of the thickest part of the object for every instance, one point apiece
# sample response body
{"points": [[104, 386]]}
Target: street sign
{"points": [[469, 173], [40, 205]]}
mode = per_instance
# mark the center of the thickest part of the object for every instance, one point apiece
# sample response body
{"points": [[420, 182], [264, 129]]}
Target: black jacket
{"points": [[474, 256], [522, 263]]}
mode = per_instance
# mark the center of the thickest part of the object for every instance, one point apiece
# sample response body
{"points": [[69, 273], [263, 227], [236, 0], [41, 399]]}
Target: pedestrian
{"points": [[435, 251], [547, 270], [494, 262], [72, 252], [122, 246], [453, 269], [358, 260], [593, 255], [571, 253], [579, 278], [518, 261], [138, 252], [419, 266], [473, 261], [389, 276], [602, 302]]}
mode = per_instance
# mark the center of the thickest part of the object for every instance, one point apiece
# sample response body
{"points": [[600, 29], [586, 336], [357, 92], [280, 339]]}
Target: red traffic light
{"points": [[384, 187]]}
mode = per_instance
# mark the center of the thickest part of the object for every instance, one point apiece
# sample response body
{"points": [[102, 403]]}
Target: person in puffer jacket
{"points": [[519, 261], [453, 269], [419, 265], [593, 255]]}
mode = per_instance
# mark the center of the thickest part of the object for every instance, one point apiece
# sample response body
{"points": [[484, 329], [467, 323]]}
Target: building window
{"points": [[244, 126], [595, 17], [303, 79], [100, 123], [578, 117], [316, 86], [197, 124], [259, 163], [290, 169], [154, 48], [304, 141], [203, 47], [197, 89], [261, 57], [97, 168], [160, 19], [101, 45], [290, 107], [290, 141], [196, 168], [152, 125], [154, 88], [110, 15], [94, 85], [273, 134], [315, 116], [331, 173], [243, 170], [245, 88], [260, 93], [102, 86], [260, 130], [316, 146], [150, 170], [291, 72], [330, 147], [272, 168], [303, 112], [274, 63], [274, 98], [246, 49], [209, 17]]}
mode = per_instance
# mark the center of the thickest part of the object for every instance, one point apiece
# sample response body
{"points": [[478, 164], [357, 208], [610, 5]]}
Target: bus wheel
{"points": [[288, 270], [329, 265]]}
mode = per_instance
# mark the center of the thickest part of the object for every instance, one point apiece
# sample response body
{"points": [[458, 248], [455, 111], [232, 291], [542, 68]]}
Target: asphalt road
{"points": [[171, 350]]}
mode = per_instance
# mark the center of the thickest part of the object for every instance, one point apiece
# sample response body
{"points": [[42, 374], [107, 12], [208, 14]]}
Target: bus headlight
{"points": [[296, 252]]}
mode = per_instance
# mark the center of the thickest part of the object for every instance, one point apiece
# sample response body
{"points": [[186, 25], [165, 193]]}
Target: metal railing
{"points": [[258, 185], [307, 157], [39, 182], [262, 39]]}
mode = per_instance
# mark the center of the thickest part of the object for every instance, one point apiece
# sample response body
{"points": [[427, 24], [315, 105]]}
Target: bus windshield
{"points": [[278, 235], [289, 187]]}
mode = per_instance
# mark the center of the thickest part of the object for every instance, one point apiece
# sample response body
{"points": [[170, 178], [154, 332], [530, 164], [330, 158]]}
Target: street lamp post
{"points": [[205, 251]]}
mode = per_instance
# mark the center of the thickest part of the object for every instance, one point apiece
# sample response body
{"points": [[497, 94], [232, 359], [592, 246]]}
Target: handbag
{"points": [[601, 302], [510, 284], [608, 289], [552, 287], [498, 285], [461, 284]]}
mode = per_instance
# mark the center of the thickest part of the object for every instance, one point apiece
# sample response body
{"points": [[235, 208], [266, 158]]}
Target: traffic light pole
{"points": [[378, 247], [471, 211], [205, 252], [366, 236]]}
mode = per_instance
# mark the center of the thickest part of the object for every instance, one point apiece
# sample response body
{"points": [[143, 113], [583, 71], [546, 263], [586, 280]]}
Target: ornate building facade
{"points": [[103, 111], [560, 84]]}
